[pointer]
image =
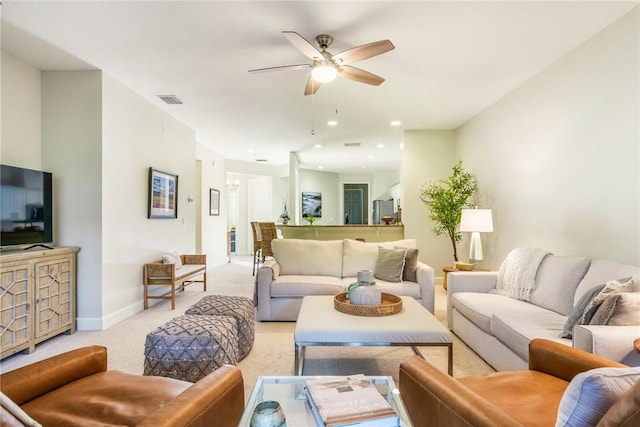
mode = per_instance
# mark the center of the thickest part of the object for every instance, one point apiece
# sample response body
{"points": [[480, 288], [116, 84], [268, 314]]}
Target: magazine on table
{"points": [[349, 401]]}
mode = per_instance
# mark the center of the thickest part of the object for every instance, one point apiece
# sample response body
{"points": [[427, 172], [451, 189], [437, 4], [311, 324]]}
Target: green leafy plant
{"points": [[448, 197], [310, 218]]}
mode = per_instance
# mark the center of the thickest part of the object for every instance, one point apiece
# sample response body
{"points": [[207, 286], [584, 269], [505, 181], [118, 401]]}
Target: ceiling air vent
{"points": [[352, 144], [170, 99], [261, 160]]}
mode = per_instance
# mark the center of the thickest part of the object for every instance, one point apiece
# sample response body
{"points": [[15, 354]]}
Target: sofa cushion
{"points": [[303, 285], [517, 329], [479, 307], [556, 282], [390, 264], [308, 257], [358, 256], [590, 394], [410, 264], [363, 255], [619, 309], [577, 312], [603, 270], [405, 243]]}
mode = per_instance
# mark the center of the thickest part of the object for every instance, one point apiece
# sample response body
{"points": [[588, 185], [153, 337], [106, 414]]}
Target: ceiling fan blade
{"points": [[363, 52], [312, 87], [306, 48], [358, 75], [282, 68]]}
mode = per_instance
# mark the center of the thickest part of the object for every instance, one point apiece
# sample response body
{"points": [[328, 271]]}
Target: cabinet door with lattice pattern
{"points": [[55, 305], [15, 308]]}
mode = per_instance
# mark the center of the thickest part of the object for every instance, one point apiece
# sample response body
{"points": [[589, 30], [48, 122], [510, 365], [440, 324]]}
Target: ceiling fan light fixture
{"points": [[324, 72]]}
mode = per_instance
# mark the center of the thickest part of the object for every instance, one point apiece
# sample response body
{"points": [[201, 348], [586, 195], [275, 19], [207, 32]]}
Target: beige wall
{"points": [[558, 159], [99, 139], [20, 113], [428, 154]]}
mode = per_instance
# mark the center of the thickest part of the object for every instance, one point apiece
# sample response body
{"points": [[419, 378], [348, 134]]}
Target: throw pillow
{"points": [[619, 309], [390, 264], [590, 394], [172, 258], [611, 287], [578, 311], [625, 410], [410, 264], [176, 255]]}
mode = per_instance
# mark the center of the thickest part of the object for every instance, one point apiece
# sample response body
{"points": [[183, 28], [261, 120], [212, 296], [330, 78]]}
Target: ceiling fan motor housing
{"points": [[324, 41]]}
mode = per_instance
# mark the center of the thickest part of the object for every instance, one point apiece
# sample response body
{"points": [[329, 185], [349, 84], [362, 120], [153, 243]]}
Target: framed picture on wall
{"points": [[163, 194], [311, 204], [214, 202]]}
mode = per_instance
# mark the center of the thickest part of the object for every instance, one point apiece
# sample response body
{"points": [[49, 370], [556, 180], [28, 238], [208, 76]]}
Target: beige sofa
{"points": [[499, 328], [315, 267]]}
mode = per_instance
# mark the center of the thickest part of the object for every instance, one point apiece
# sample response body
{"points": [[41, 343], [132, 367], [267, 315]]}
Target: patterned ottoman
{"points": [[190, 347], [239, 307]]}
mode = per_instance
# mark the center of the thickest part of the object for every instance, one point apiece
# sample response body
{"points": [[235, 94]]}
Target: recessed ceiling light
{"points": [[380, 146], [370, 156], [320, 167], [396, 122], [317, 146], [332, 123]]}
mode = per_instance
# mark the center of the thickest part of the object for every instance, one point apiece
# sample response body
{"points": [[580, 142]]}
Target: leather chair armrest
{"points": [[563, 361], [217, 399], [24, 384], [434, 398]]}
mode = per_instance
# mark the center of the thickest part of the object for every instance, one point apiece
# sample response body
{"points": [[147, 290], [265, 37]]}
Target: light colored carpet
{"points": [[272, 353]]}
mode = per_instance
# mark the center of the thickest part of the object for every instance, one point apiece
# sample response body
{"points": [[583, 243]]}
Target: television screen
{"points": [[25, 206]]}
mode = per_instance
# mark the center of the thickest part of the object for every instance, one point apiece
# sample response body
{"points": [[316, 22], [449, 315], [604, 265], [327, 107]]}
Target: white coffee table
{"points": [[320, 324]]}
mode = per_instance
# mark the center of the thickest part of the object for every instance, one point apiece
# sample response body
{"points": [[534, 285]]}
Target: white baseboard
{"points": [[102, 323]]}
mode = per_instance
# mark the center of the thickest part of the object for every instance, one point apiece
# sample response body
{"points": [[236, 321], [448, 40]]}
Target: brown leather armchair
{"points": [[75, 389], [518, 398]]}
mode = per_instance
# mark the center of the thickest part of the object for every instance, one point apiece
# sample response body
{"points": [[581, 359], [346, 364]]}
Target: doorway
{"points": [[356, 202]]}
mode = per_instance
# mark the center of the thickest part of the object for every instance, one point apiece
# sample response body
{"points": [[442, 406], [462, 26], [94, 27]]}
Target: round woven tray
{"points": [[391, 304]]}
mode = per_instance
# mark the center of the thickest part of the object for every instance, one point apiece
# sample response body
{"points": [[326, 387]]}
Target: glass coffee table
{"points": [[289, 391]]}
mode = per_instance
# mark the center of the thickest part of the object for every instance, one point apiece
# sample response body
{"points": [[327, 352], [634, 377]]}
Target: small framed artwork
{"points": [[163, 194], [311, 204], [214, 202]]}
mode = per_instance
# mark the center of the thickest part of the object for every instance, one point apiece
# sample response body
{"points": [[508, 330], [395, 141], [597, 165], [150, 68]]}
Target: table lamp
{"points": [[476, 221]]}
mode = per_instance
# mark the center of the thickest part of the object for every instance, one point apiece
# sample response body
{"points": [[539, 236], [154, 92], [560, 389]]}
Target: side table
{"points": [[452, 269]]}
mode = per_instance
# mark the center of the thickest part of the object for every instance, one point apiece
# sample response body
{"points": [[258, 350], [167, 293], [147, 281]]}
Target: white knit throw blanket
{"points": [[517, 274]]}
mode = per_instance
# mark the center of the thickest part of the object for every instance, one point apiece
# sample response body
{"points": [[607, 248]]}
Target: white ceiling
{"points": [[452, 60]]}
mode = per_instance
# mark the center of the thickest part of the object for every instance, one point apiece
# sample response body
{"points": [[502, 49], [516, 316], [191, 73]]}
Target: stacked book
{"points": [[349, 401]]}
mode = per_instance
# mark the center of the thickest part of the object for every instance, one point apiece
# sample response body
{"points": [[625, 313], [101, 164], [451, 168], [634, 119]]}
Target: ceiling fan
{"points": [[326, 66]]}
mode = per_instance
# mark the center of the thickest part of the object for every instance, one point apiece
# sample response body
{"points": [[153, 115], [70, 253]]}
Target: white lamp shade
{"points": [[324, 72], [476, 220]]}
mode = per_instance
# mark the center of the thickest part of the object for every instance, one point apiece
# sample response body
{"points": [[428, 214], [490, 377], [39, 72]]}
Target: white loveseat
{"points": [[315, 267], [499, 327]]}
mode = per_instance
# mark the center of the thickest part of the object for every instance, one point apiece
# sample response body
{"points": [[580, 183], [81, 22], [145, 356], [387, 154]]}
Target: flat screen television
{"points": [[25, 207]]}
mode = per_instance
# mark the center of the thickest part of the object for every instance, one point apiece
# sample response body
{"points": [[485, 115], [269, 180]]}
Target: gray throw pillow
{"points": [[410, 264], [578, 311], [390, 264], [610, 288], [619, 309]]}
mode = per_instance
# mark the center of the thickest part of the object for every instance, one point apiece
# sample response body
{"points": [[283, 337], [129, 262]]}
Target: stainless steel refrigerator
{"points": [[382, 208]]}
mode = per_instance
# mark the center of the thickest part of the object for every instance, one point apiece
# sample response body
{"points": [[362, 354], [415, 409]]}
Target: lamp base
{"points": [[475, 248]]}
